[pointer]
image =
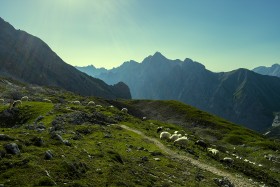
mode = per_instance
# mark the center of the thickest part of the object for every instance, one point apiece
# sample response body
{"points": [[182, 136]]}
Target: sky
{"points": [[221, 34]]}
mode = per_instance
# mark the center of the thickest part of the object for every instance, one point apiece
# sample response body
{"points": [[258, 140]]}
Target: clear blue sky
{"points": [[221, 34]]}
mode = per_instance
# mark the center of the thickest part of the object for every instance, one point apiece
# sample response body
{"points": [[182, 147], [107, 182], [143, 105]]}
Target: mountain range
{"points": [[27, 58], [274, 70], [241, 96]]}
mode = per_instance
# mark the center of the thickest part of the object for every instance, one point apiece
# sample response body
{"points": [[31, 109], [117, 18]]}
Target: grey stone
{"points": [[4, 137], [12, 148], [48, 155], [144, 158], [66, 142]]}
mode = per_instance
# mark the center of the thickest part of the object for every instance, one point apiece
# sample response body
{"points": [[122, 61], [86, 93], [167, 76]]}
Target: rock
{"points": [[56, 137], [38, 141], [190, 151], [66, 142], [145, 159], [130, 146], [128, 150], [107, 136], [2, 154], [140, 148], [38, 119], [12, 148], [224, 182], [156, 153], [199, 176], [4, 137], [41, 126], [48, 155], [99, 171]]}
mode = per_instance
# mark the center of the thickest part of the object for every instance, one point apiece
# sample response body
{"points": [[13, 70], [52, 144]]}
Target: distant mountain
{"points": [[91, 70], [274, 70], [27, 58], [241, 96]]}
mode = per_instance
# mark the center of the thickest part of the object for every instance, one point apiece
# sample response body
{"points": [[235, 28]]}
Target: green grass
{"points": [[102, 155], [93, 159]]}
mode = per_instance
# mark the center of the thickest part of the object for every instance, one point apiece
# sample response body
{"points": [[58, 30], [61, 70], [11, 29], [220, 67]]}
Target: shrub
{"points": [[235, 139], [46, 181]]}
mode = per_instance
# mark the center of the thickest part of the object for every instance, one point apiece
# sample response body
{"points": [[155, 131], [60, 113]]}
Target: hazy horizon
{"points": [[221, 34]]}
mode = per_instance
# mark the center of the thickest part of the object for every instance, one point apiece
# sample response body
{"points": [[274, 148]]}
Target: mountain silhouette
{"points": [[241, 96], [27, 58]]}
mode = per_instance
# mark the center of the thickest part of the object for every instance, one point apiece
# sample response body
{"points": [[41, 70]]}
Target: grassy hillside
{"points": [[88, 150]]}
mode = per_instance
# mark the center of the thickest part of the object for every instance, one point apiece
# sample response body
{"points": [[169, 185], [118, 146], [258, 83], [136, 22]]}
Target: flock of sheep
{"points": [[76, 102], [177, 138], [15, 103], [182, 140]]}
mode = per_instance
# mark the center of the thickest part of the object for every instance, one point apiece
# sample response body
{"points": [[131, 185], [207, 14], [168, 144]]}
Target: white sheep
{"points": [[111, 106], [124, 110], [16, 103], [228, 160], [164, 135], [175, 132], [47, 100], [91, 103], [182, 142], [24, 98], [98, 106], [144, 118], [76, 102], [174, 137], [213, 151]]}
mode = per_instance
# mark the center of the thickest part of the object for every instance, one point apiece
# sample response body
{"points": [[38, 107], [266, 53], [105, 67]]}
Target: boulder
{"points": [[4, 137], [48, 155], [12, 148]]}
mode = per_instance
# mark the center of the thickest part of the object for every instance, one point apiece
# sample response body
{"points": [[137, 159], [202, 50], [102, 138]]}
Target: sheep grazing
{"points": [[164, 135], [213, 151], [175, 132], [16, 103], [76, 102], [144, 118], [201, 143], [174, 137], [124, 110], [111, 106], [227, 160], [24, 98], [91, 103], [181, 132], [182, 142], [159, 129], [47, 101]]}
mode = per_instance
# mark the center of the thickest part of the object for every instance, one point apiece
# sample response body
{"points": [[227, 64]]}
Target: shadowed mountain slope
{"points": [[241, 96], [27, 58]]}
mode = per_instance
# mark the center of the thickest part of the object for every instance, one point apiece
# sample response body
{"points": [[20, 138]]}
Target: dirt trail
{"points": [[238, 182]]}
